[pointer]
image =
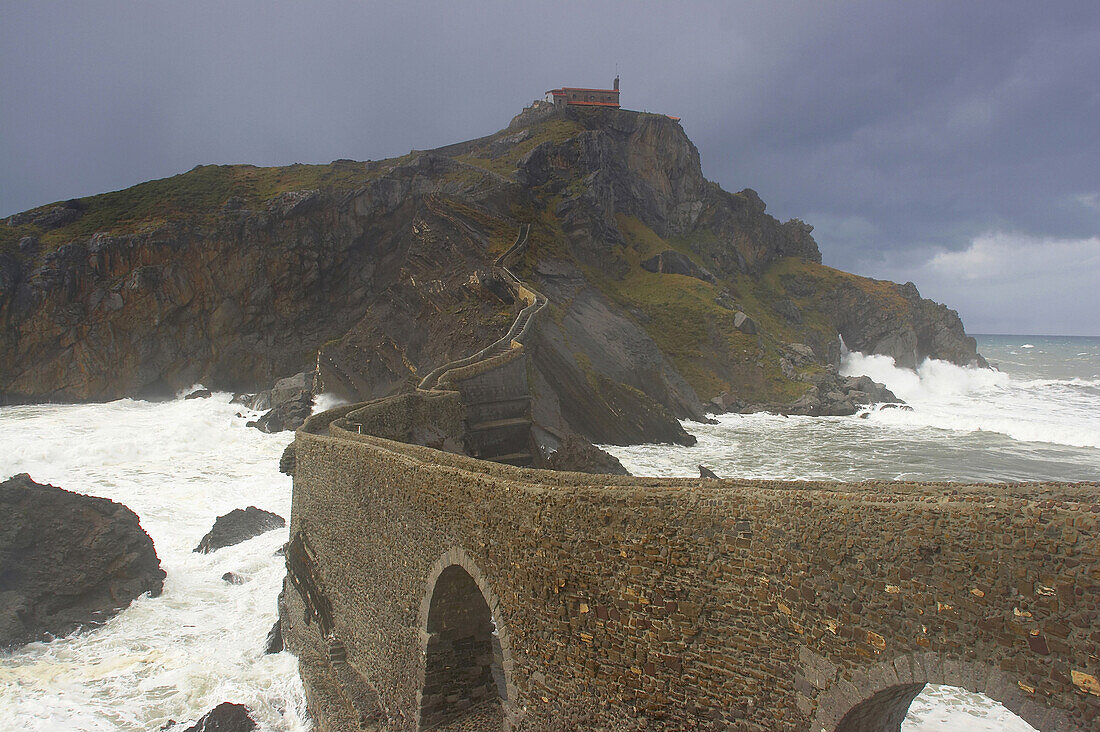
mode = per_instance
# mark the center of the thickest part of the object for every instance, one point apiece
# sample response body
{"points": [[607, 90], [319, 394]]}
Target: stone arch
{"points": [[465, 646], [877, 697]]}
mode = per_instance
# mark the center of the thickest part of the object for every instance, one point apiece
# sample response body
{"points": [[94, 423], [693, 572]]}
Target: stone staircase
{"points": [[493, 382]]}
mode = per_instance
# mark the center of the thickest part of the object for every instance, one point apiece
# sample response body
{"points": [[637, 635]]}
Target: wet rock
{"points": [[233, 579], [287, 460], [241, 398], [705, 472], [225, 717], [274, 642], [67, 560], [239, 525], [578, 455], [289, 404], [199, 394]]}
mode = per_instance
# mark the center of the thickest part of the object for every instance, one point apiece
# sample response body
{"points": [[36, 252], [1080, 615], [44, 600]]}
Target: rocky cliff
{"points": [[666, 292]]}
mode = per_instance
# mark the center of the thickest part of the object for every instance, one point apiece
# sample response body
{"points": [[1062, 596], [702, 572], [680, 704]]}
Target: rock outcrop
{"points": [[665, 291], [578, 455], [239, 525], [67, 561], [226, 717], [288, 404]]}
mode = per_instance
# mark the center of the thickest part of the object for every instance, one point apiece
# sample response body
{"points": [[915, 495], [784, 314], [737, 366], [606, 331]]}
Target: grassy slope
{"points": [[195, 195]]}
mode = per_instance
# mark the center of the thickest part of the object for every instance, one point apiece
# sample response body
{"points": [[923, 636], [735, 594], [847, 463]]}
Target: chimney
{"points": [[616, 87]]}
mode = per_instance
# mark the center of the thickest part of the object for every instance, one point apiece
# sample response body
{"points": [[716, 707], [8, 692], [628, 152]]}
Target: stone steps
{"points": [[499, 424], [519, 459]]}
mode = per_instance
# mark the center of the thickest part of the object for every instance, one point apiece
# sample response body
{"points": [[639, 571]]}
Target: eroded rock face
{"points": [[67, 560], [239, 525], [907, 327]]}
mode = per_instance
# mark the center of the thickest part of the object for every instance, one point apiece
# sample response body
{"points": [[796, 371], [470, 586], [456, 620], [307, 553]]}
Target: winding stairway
{"points": [[493, 382]]}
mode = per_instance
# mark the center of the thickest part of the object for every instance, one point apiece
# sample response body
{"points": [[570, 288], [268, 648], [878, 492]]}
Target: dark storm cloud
{"points": [[903, 131]]}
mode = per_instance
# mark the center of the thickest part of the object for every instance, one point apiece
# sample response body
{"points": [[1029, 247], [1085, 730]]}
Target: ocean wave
{"points": [[969, 399]]}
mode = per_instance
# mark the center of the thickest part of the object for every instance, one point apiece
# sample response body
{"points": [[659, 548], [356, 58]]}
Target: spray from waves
{"points": [[178, 465], [966, 399], [324, 402]]}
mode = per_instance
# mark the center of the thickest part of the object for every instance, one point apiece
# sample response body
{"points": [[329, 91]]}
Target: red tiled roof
{"points": [[580, 89]]}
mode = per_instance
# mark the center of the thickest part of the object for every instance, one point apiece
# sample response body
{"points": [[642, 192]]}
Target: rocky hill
{"points": [[667, 294]]}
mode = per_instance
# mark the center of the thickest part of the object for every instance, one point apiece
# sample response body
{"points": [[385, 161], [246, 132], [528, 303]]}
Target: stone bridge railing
{"points": [[464, 592]]}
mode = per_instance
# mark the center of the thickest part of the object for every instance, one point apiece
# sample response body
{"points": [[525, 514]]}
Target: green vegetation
{"points": [[196, 195], [556, 130]]}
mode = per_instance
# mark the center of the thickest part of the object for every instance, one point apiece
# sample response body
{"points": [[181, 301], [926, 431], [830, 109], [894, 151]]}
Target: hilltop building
{"points": [[585, 97]]}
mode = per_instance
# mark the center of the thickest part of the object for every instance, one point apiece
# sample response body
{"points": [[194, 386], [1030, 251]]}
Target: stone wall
{"points": [[640, 603]]}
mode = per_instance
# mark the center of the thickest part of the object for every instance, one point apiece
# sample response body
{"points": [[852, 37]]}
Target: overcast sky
{"points": [[953, 144]]}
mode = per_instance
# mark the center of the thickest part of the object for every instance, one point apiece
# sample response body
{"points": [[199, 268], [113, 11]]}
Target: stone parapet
{"points": [[644, 603]]}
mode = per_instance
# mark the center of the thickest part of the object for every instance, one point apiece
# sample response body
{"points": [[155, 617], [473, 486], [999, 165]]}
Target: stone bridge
{"points": [[429, 590]]}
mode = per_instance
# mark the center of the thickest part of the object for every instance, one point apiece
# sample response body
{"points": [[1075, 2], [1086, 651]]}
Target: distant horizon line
{"points": [[1035, 335]]}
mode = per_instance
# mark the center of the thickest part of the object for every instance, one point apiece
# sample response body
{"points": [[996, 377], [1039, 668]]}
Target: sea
{"points": [[165, 661]]}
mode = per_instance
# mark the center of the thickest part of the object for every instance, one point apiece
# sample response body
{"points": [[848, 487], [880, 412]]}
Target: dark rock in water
{"points": [[828, 395], [67, 560], [233, 579], [287, 461], [274, 642], [225, 717], [241, 399], [578, 455], [705, 472], [281, 551], [199, 394], [239, 525], [291, 402]]}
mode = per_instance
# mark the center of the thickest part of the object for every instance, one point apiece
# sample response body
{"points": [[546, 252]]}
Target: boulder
{"points": [[274, 642], [289, 404], [233, 579], [199, 394], [578, 455], [705, 472], [239, 525], [67, 560], [225, 717], [744, 323]]}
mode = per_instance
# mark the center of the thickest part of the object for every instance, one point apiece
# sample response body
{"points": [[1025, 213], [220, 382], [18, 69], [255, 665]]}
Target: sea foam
{"points": [[970, 399]]}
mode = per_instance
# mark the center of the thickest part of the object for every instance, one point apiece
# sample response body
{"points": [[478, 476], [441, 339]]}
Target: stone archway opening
{"points": [[946, 707], [923, 707], [464, 679]]}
